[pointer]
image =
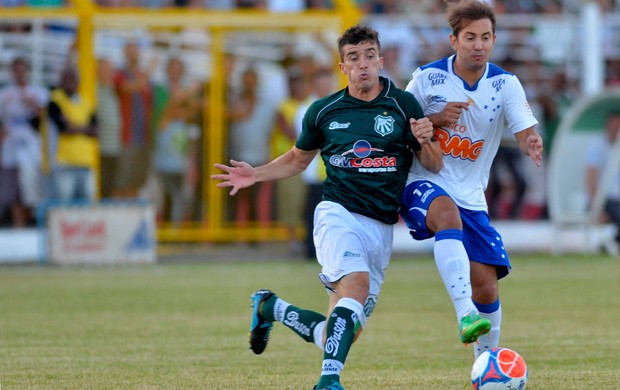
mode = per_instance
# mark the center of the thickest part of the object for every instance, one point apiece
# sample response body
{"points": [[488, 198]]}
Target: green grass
{"points": [[184, 326]]}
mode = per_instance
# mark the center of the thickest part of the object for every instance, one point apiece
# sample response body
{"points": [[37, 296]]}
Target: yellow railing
{"points": [[90, 17]]}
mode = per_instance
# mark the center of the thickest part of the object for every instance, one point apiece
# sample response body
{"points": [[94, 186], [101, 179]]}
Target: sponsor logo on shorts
{"points": [[351, 254]]}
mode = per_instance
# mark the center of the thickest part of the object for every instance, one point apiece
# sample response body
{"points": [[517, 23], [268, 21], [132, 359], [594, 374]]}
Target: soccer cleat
{"points": [[259, 330], [472, 327], [333, 386]]}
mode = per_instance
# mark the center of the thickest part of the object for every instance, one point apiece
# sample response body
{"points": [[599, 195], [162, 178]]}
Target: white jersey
{"points": [[497, 101]]}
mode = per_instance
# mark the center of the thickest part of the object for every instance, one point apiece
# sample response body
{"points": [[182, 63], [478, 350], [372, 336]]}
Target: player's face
{"points": [[474, 44], [361, 64]]}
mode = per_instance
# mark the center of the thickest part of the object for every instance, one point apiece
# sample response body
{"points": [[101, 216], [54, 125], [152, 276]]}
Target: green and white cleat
{"points": [[259, 330], [472, 327]]}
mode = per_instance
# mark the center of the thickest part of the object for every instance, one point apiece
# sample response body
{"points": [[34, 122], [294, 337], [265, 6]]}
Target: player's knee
{"points": [[485, 293], [443, 214]]}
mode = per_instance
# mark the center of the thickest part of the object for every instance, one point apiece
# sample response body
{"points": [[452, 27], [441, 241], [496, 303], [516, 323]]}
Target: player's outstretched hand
{"points": [[238, 175], [535, 148]]}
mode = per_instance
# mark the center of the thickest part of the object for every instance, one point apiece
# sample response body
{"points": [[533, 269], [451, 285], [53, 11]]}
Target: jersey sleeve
{"points": [[416, 88], [412, 110], [519, 114], [311, 136]]}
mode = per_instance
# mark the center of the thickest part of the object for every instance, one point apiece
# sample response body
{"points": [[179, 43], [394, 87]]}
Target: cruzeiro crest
{"points": [[384, 125]]}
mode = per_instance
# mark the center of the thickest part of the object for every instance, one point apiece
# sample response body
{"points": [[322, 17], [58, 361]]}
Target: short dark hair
{"points": [[459, 12], [356, 35]]}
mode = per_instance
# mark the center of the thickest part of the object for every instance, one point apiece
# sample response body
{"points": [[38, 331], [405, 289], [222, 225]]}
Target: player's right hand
{"points": [[451, 113]]}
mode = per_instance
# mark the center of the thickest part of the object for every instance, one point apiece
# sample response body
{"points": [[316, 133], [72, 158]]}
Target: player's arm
{"points": [[241, 174], [430, 154], [531, 144]]}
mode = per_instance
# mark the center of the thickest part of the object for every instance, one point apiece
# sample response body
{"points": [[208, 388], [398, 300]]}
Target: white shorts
{"points": [[348, 242]]}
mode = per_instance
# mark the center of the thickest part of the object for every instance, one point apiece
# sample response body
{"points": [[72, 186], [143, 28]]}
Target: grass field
{"points": [[184, 326]]}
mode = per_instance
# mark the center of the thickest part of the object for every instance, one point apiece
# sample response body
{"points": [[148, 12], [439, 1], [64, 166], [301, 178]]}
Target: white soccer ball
{"points": [[499, 369]]}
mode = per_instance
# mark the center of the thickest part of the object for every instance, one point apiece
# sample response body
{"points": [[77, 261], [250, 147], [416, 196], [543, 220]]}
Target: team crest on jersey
{"points": [[384, 125]]}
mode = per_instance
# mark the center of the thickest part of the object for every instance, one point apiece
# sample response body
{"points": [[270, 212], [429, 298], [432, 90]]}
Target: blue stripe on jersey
{"points": [[495, 70], [441, 64]]}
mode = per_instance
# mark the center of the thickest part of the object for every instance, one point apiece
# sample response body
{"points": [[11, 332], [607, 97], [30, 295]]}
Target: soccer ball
{"points": [[499, 369]]}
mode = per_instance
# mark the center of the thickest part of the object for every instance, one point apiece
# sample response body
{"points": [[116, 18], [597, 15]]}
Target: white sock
{"points": [[491, 339], [453, 266], [279, 309], [318, 334]]}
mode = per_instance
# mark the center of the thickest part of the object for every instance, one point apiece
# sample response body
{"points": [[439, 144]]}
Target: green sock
{"points": [[302, 322], [340, 334], [266, 309]]}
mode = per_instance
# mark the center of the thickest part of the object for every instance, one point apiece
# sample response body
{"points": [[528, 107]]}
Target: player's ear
{"points": [[454, 41], [341, 67]]}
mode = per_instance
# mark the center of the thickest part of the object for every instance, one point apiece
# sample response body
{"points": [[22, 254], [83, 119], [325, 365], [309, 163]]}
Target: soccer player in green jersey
{"points": [[367, 134]]}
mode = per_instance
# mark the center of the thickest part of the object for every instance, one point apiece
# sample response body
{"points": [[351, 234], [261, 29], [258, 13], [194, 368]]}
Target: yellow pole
{"points": [[214, 141]]}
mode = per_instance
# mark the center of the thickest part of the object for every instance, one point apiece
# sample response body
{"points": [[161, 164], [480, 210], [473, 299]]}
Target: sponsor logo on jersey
{"points": [[336, 125], [437, 78], [498, 84], [438, 99], [527, 107], [384, 125], [362, 160], [457, 146]]}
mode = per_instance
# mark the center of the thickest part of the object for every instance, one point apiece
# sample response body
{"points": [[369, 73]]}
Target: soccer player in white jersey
{"points": [[470, 101]]}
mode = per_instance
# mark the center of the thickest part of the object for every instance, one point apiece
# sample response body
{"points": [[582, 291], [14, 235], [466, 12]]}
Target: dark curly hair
{"points": [[356, 35]]}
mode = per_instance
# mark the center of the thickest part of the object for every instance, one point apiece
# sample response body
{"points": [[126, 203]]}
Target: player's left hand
{"points": [[422, 129], [535, 148]]}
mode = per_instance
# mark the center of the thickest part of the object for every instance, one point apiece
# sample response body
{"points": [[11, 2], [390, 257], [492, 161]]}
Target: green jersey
{"points": [[366, 147]]}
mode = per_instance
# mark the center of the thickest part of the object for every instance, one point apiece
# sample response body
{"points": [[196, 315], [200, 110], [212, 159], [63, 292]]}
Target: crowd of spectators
{"points": [[367, 6], [140, 119]]}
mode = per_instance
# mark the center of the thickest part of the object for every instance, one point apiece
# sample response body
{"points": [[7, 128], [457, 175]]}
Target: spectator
{"points": [[290, 192], [507, 182], [135, 94], [109, 128], [73, 120], [250, 123], [314, 175], [612, 74], [391, 66], [8, 189], [598, 157], [21, 106], [257, 4], [555, 99], [176, 141]]}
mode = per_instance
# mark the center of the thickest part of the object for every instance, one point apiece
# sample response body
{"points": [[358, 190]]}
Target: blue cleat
{"points": [[259, 330]]}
